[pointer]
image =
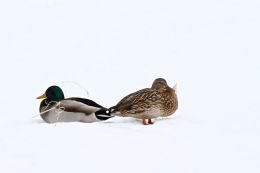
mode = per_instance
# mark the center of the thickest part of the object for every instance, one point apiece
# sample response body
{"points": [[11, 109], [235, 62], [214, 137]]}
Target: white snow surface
{"points": [[112, 48]]}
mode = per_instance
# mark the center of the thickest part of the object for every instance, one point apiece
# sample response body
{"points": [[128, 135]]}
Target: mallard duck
{"points": [[158, 101], [55, 108]]}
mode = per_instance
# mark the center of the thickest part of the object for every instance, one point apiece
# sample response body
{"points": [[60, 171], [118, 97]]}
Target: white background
{"points": [[112, 48]]}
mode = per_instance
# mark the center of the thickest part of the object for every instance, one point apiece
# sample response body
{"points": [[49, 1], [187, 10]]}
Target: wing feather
{"points": [[73, 105]]}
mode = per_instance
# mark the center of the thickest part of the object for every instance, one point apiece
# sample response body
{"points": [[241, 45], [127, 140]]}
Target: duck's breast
{"points": [[170, 104]]}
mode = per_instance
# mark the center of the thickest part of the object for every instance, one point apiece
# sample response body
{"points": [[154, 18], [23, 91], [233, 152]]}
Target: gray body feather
{"points": [[69, 111]]}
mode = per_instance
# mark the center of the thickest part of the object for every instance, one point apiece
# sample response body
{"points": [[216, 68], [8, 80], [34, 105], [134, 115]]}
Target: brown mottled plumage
{"points": [[158, 101]]}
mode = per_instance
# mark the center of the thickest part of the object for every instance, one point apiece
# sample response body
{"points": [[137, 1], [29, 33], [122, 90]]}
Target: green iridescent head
{"points": [[52, 94]]}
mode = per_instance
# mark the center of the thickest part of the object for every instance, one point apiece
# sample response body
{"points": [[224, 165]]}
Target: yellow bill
{"points": [[42, 96]]}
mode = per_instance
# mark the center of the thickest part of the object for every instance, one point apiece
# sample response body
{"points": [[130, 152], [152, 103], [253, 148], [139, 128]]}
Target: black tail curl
{"points": [[113, 109]]}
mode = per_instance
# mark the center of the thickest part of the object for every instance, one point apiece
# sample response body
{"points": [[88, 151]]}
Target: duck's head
{"points": [[52, 94], [160, 84]]}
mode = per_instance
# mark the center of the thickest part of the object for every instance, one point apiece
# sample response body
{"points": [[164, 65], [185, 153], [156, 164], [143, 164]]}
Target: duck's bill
{"points": [[41, 96]]}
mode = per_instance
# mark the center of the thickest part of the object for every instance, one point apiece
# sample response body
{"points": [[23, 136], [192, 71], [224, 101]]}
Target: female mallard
{"points": [[55, 108], [158, 101]]}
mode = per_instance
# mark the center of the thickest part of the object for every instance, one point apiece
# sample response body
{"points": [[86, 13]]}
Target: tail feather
{"points": [[175, 87], [114, 110], [103, 114]]}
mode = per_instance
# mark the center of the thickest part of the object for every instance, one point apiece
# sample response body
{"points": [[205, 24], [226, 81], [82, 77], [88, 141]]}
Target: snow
{"points": [[112, 48]]}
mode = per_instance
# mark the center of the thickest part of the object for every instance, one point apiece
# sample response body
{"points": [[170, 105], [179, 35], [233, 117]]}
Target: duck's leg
{"points": [[150, 121], [144, 121]]}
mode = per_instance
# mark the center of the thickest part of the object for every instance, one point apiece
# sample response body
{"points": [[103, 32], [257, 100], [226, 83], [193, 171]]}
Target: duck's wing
{"points": [[79, 105], [129, 98], [85, 101], [137, 102]]}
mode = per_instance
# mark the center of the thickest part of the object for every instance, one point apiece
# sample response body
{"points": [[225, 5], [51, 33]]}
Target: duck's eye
{"points": [[107, 111]]}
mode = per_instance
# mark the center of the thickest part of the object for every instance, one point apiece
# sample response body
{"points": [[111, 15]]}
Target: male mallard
{"points": [[55, 108], [158, 101]]}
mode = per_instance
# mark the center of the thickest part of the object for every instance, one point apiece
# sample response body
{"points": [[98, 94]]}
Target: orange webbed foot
{"points": [[144, 121], [150, 121]]}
